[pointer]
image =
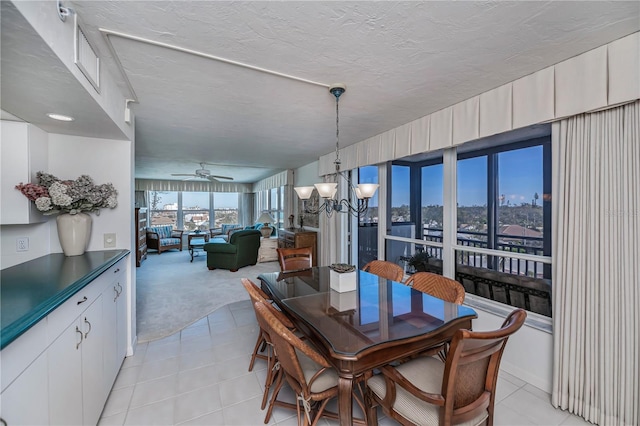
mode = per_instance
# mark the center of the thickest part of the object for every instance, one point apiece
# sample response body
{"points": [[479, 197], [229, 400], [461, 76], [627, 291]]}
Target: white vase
{"points": [[74, 231]]}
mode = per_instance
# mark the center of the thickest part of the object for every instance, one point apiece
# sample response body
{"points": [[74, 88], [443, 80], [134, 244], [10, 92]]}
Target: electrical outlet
{"points": [[109, 240], [22, 244]]}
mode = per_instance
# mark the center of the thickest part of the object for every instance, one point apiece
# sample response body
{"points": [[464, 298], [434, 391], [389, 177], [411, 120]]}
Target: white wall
{"points": [[529, 352], [105, 160], [39, 243]]}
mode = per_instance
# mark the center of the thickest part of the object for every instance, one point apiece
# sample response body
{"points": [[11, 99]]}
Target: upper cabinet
{"points": [[23, 152]]}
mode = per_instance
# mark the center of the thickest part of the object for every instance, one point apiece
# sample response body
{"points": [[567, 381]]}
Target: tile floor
{"points": [[199, 376]]}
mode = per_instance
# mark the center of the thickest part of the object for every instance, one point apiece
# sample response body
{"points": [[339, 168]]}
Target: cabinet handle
{"points": [[81, 336], [84, 299], [120, 289], [116, 271], [117, 294], [88, 331], [2, 422]]}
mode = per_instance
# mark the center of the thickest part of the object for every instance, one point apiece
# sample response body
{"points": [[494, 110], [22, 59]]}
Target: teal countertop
{"points": [[31, 290]]}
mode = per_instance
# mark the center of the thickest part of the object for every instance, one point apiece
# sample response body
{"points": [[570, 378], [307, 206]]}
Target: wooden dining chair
{"points": [[437, 286], [263, 344], [293, 259], [308, 373], [426, 391], [385, 269]]}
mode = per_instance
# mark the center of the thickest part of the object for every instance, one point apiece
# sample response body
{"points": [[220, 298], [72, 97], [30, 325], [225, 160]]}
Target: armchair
{"points": [[163, 238], [240, 251]]}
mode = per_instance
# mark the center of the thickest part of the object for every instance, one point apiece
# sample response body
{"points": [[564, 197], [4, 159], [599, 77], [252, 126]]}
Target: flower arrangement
{"points": [[52, 195]]}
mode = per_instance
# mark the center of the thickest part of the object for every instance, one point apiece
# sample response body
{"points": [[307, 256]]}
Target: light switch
{"points": [[109, 240]]}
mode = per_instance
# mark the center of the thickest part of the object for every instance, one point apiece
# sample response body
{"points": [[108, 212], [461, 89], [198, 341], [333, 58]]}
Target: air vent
{"points": [[86, 58]]}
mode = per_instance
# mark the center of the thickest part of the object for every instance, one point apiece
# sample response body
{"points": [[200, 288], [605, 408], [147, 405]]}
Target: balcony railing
{"points": [[516, 282]]}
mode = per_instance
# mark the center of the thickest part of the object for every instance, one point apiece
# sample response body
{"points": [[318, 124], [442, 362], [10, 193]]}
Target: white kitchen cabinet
{"points": [[25, 401], [23, 152], [61, 370], [76, 393], [115, 319]]}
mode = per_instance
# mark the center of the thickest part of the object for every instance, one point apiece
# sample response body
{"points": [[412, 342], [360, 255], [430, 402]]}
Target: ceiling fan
{"points": [[202, 173]]}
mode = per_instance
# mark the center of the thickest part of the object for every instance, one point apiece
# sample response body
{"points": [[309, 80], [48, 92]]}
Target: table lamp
{"points": [[266, 219]]}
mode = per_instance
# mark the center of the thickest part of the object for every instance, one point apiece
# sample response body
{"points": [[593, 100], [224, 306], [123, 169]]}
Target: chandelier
{"points": [[327, 190]]}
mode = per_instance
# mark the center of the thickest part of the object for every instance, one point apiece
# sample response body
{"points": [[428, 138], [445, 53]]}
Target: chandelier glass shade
{"points": [[358, 200]]}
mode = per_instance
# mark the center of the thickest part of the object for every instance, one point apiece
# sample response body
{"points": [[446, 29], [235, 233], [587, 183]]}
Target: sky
{"points": [[520, 175]]}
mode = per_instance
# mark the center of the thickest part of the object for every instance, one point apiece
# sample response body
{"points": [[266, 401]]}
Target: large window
{"points": [[504, 224], [193, 210], [163, 208], [501, 238], [272, 201]]}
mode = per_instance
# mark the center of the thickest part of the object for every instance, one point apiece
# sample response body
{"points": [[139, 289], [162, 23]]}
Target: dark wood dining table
{"points": [[380, 322]]}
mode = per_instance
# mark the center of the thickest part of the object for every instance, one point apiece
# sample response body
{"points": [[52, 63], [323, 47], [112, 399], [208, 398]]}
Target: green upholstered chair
{"points": [[240, 251]]}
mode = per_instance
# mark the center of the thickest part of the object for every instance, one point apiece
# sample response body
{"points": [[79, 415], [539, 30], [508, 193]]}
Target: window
{"points": [[195, 211], [225, 208], [272, 201], [431, 212], [400, 190], [163, 208], [500, 209], [368, 222]]}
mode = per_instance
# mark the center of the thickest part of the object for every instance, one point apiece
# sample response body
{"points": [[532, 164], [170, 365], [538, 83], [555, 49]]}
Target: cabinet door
{"points": [[65, 376], [92, 363], [76, 393], [24, 152], [115, 330], [25, 401]]}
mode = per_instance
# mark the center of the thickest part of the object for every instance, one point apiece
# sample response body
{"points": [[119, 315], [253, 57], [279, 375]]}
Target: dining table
{"points": [[379, 322]]}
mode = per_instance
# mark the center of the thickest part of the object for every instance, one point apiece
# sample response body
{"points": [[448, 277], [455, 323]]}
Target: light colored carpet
{"points": [[173, 293]]}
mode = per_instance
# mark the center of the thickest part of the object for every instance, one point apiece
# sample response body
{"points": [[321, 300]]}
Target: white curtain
{"points": [[596, 228]]}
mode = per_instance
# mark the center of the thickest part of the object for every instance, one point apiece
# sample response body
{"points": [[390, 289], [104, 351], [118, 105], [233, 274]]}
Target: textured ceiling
{"points": [[399, 60]]}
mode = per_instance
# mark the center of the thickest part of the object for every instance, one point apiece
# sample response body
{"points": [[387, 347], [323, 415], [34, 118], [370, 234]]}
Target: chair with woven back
{"points": [[426, 391], [307, 372], [264, 341], [293, 259], [385, 269], [438, 286]]}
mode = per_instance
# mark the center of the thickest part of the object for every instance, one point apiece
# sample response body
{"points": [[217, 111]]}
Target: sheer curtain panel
{"points": [[596, 199]]}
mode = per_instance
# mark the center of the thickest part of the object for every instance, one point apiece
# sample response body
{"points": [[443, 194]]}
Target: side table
{"points": [[196, 241], [267, 251]]}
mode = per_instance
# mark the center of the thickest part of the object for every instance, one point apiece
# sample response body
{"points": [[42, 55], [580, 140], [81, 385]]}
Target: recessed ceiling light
{"points": [[59, 117]]}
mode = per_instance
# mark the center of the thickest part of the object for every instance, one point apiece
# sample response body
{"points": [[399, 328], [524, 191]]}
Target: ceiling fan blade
{"points": [[183, 174], [221, 177]]}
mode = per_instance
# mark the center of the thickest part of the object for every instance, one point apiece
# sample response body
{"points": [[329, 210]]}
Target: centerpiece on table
{"points": [[343, 285], [71, 200]]}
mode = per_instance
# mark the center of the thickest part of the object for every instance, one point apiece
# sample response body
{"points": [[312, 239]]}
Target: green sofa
{"points": [[240, 251]]}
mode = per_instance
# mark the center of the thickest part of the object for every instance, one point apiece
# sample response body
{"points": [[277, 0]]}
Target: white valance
{"points": [[191, 186], [624, 69], [597, 79], [581, 83], [441, 129], [496, 110], [420, 135], [533, 100], [276, 181], [402, 144], [466, 121]]}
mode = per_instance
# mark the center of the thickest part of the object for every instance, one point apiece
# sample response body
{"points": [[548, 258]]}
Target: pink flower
{"points": [[32, 191]]}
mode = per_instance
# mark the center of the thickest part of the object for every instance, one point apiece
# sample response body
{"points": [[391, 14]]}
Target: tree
{"points": [[155, 199]]}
